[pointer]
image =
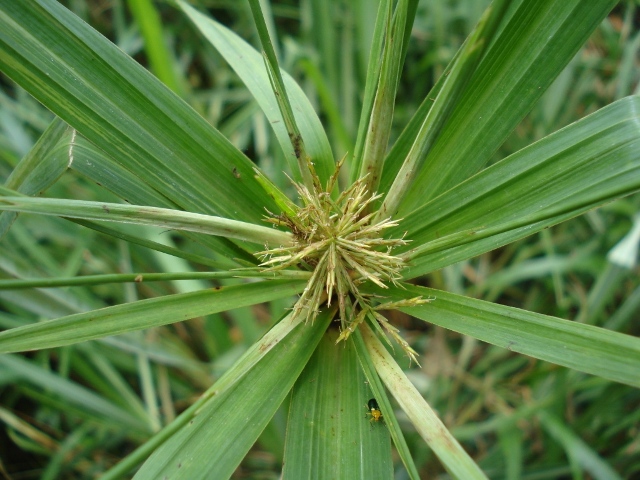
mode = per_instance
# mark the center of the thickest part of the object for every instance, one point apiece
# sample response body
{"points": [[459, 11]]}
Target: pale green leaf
{"points": [[379, 131], [143, 215], [40, 168], [380, 394], [453, 457]]}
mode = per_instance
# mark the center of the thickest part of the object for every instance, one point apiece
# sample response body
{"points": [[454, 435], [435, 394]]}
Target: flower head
{"points": [[340, 243]]}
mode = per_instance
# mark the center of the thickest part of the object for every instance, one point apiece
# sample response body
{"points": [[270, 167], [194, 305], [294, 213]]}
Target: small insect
{"points": [[374, 411]]}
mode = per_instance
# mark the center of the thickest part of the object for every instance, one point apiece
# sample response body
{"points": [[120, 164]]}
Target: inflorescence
{"points": [[338, 241]]}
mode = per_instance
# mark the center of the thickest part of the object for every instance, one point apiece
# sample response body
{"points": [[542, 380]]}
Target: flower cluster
{"points": [[336, 239]]}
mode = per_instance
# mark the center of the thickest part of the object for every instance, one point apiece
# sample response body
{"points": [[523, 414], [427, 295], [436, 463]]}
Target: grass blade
{"points": [[447, 99], [530, 51], [328, 435], [124, 110], [142, 314], [380, 395], [586, 348], [429, 426], [100, 168], [143, 215], [584, 165], [215, 441], [160, 59], [249, 65], [377, 139], [39, 169]]}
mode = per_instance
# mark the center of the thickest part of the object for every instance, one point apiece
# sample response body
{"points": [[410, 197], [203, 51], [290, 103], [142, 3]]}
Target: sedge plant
{"points": [[365, 219]]}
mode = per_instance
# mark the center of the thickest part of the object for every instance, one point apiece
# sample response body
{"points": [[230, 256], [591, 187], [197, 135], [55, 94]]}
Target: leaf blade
{"points": [[330, 396], [429, 426], [586, 348], [249, 65], [123, 109], [143, 215], [584, 165], [141, 314], [530, 51], [217, 439]]}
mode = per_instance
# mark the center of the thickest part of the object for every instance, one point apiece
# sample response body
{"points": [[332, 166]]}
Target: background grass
{"points": [[74, 411]]}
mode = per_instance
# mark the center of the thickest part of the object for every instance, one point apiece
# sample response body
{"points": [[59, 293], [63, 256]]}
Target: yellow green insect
{"points": [[374, 411]]}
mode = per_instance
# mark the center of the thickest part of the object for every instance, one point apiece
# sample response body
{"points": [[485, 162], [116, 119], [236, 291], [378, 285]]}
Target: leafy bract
{"points": [[586, 348], [122, 109]]}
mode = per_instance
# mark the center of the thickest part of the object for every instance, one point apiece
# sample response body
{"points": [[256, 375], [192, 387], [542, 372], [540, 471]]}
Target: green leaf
{"points": [[232, 376], [446, 100], [40, 168], [380, 394], [124, 110], [219, 436], [250, 67], [158, 247], [379, 131], [102, 169], [328, 434], [160, 58], [586, 348], [142, 314], [143, 215], [429, 426], [582, 166], [146, 277], [536, 43]]}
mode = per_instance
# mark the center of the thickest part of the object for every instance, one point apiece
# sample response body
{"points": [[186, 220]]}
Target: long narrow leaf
{"points": [[99, 167], [40, 168], [249, 65], [429, 426], [215, 441], [582, 166], [582, 347], [231, 377], [445, 102], [124, 110], [142, 314], [142, 215], [328, 434], [373, 76], [380, 395], [538, 41], [377, 139]]}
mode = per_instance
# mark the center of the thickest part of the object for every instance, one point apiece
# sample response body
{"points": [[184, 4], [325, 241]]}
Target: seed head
{"points": [[337, 240]]}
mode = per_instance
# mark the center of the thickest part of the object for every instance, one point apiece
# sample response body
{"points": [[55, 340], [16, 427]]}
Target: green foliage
{"points": [[154, 193]]}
